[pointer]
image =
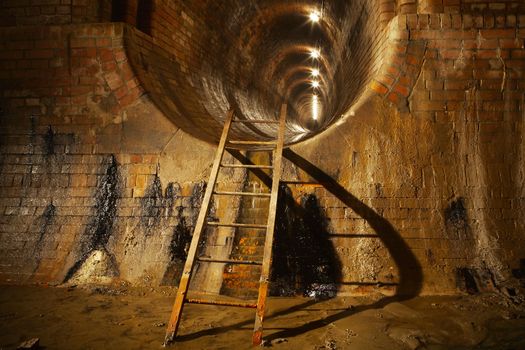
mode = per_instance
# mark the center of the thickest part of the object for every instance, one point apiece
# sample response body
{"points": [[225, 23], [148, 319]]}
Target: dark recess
{"points": [[144, 13], [118, 10]]}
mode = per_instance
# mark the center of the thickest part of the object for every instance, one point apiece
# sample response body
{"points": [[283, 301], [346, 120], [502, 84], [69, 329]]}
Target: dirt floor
{"points": [[131, 318]]}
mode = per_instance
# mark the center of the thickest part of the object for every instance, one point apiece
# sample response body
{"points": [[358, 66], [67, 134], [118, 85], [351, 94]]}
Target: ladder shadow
{"points": [[238, 325], [410, 271]]}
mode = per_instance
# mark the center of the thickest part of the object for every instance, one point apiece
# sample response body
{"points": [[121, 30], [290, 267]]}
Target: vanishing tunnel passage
{"points": [[252, 56]]}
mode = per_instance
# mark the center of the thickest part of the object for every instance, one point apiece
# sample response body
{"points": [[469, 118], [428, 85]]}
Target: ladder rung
{"points": [[295, 182], [250, 194], [229, 261], [222, 303], [256, 121], [237, 225], [249, 166], [250, 142]]}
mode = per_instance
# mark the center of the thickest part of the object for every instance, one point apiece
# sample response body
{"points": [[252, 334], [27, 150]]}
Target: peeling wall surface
{"points": [[411, 180]]}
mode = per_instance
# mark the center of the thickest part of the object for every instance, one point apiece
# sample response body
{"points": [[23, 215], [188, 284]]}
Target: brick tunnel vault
{"points": [[253, 55]]}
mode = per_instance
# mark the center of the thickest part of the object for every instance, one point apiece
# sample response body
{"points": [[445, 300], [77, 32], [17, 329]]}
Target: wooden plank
{"points": [[222, 303], [250, 142], [234, 224], [176, 312], [247, 194], [268, 244], [247, 166], [230, 261]]}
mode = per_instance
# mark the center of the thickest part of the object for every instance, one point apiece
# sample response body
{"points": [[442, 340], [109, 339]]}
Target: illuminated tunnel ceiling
{"points": [[252, 56]]}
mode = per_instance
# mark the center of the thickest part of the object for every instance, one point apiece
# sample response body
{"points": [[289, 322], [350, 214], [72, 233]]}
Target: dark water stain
{"points": [[152, 205], [183, 232], [456, 218], [465, 280], [304, 259], [178, 250], [100, 227], [49, 141], [32, 133], [156, 206], [172, 192], [474, 280], [107, 103], [44, 221], [196, 198]]}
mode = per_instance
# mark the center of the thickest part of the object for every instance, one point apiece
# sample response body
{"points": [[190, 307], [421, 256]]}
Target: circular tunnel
{"points": [[200, 59]]}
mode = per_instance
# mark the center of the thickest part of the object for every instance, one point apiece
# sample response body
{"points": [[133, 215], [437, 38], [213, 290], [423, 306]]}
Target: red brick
{"points": [[82, 42]]}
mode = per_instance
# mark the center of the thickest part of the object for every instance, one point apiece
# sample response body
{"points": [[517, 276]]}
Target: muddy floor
{"points": [[125, 318]]}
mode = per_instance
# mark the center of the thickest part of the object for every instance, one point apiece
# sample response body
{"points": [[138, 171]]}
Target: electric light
{"points": [[315, 72], [314, 16], [315, 84], [315, 53], [315, 107]]}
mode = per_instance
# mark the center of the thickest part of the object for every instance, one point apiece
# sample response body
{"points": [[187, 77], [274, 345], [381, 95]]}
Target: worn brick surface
{"points": [[422, 178]]}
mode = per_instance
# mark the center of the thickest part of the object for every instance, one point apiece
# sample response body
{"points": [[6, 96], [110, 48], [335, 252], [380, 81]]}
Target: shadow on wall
{"points": [[410, 272], [304, 259]]}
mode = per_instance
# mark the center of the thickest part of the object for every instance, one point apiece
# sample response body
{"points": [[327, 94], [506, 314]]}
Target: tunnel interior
{"points": [[399, 211], [252, 56]]}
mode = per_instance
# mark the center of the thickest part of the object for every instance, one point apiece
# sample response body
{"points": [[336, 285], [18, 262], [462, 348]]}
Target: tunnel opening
{"points": [[252, 56]]}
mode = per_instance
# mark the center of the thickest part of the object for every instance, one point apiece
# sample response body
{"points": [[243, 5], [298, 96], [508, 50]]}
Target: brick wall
{"points": [[31, 12], [75, 130], [442, 159], [420, 181]]}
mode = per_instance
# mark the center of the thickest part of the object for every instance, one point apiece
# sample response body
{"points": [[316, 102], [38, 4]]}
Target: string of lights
{"points": [[315, 17]]}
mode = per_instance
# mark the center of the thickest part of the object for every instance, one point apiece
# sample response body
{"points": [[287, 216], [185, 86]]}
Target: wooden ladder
{"points": [[181, 297]]}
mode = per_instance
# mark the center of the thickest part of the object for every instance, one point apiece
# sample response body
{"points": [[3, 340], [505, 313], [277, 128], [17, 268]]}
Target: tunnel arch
{"points": [[203, 59]]}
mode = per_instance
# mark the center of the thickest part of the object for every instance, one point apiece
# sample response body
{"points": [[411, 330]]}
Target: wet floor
{"points": [[134, 318]]}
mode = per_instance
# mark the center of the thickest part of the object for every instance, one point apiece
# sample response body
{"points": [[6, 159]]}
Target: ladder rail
{"points": [[181, 296], [178, 305], [268, 244]]}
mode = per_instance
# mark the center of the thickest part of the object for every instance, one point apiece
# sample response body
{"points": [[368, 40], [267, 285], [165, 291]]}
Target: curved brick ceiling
{"points": [[252, 55]]}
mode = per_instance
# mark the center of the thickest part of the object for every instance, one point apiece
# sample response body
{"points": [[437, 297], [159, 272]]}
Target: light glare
{"points": [[315, 72], [315, 84], [315, 53], [314, 16], [315, 107]]}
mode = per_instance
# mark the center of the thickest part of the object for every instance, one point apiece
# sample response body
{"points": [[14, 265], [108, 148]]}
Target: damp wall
{"points": [[418, 189]]}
